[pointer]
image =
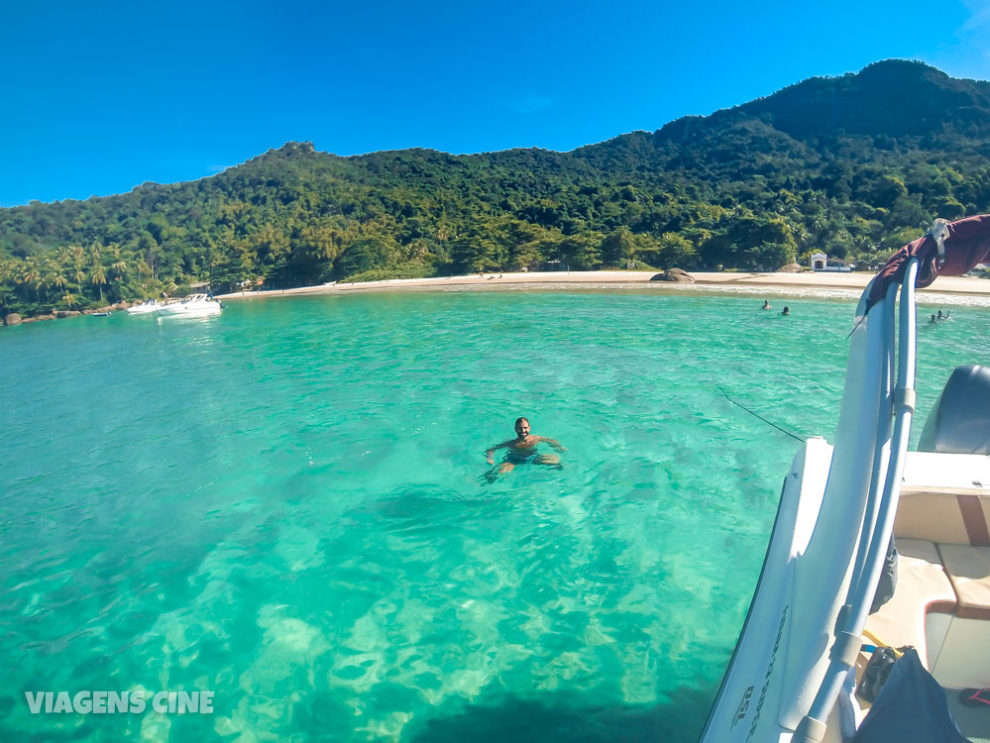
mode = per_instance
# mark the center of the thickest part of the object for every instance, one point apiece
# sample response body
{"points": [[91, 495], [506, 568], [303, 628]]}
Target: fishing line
{"points": [[769, 423]]}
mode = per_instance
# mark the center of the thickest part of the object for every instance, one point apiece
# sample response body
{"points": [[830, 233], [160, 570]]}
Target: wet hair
{"points": [[520, 420]]}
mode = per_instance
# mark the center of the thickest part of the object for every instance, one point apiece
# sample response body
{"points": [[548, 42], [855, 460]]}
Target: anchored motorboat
{"points": [[145, 308], [195, 305]]}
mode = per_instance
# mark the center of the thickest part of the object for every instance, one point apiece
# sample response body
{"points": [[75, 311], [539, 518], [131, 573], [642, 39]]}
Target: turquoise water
{"points": [[285, 505]]}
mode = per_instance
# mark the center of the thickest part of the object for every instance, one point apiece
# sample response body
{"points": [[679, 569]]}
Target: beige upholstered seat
{"points": [[922, 586], [968, 568], [945, 516]]}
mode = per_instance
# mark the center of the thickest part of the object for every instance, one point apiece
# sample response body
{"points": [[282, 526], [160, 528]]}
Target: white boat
{"points": [[799, 668], [195, 305], [145, 308]]}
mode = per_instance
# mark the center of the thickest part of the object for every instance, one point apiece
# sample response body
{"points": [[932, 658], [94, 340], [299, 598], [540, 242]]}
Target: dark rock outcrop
{"points": [[674, 274]]}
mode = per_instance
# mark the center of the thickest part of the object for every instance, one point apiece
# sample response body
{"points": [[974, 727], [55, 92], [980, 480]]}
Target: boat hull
{"points": [[198, 305], [199, 311]]}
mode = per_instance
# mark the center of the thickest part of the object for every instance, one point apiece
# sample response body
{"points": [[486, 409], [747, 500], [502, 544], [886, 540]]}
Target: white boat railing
{"points": [[878, 516]]}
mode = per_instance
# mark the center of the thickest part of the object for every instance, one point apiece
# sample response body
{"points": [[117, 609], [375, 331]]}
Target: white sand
{"points": [[749, 282]]}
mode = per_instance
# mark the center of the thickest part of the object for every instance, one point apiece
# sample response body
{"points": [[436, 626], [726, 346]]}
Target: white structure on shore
{"points": [[819, 262]]}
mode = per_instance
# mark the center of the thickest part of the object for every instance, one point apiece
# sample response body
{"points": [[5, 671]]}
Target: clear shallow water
{"points": [[285, 505]]}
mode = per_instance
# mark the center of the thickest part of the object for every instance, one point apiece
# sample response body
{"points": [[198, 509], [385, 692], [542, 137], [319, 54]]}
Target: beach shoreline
{"points": [[750, 283]]}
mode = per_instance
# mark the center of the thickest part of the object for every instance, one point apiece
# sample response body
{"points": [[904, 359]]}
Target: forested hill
{"points": [[854, 165]]}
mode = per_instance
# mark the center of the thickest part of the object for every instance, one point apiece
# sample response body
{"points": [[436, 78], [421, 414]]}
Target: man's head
{"points": [[522, 426]]}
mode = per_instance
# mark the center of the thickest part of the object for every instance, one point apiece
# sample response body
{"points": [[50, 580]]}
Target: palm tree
{"points": [[59, 280], [52, 273], [78, 271], [29, 277], [6, 285], [98, 277], [97, 274], [118, 268], [442, 236]]}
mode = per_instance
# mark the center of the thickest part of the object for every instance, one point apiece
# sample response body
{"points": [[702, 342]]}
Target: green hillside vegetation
{"points": [[854, 166]]}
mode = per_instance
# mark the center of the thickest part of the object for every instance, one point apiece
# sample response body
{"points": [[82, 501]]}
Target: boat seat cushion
{"points": [[922, 586], [968, 568], [946, 516]]}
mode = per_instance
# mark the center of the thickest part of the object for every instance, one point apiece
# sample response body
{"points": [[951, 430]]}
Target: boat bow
{"points": [[803, 632]]}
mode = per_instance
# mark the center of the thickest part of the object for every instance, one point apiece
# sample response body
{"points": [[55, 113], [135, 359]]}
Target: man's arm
{"points": [[552, 442], [489, 452]]}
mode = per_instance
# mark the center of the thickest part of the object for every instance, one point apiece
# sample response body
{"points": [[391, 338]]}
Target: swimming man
{"points": [[522, 450]]}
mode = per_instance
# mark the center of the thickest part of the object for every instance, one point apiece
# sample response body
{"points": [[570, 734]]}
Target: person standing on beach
{"points": [[522, 450]]}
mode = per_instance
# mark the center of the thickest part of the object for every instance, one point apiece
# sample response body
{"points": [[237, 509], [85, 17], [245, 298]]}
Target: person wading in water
{"points": [[522, 450]]}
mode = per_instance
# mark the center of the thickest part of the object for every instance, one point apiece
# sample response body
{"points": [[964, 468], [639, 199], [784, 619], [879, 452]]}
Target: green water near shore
{"points": [[285, 505]]}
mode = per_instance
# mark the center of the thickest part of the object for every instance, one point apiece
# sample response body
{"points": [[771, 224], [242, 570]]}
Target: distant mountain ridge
{"points": [[893, 98], [854, 165]]}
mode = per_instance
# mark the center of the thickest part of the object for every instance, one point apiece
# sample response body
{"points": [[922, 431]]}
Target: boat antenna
{"points": [[769, 423]]}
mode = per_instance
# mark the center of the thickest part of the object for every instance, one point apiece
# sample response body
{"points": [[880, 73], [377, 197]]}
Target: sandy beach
{"points": [[808, 282]]}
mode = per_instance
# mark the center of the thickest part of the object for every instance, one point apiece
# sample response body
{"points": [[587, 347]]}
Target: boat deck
{"points": [[941, 605]]}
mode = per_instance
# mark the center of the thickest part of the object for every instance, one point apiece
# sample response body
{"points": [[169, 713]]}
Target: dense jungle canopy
{"points": [[854, 166]]}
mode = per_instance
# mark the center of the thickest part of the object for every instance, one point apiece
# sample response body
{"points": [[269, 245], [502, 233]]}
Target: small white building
{"points": [[819, 261]]}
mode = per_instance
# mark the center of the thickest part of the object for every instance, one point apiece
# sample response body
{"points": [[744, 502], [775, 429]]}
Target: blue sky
{"points": [[100, 97]]}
